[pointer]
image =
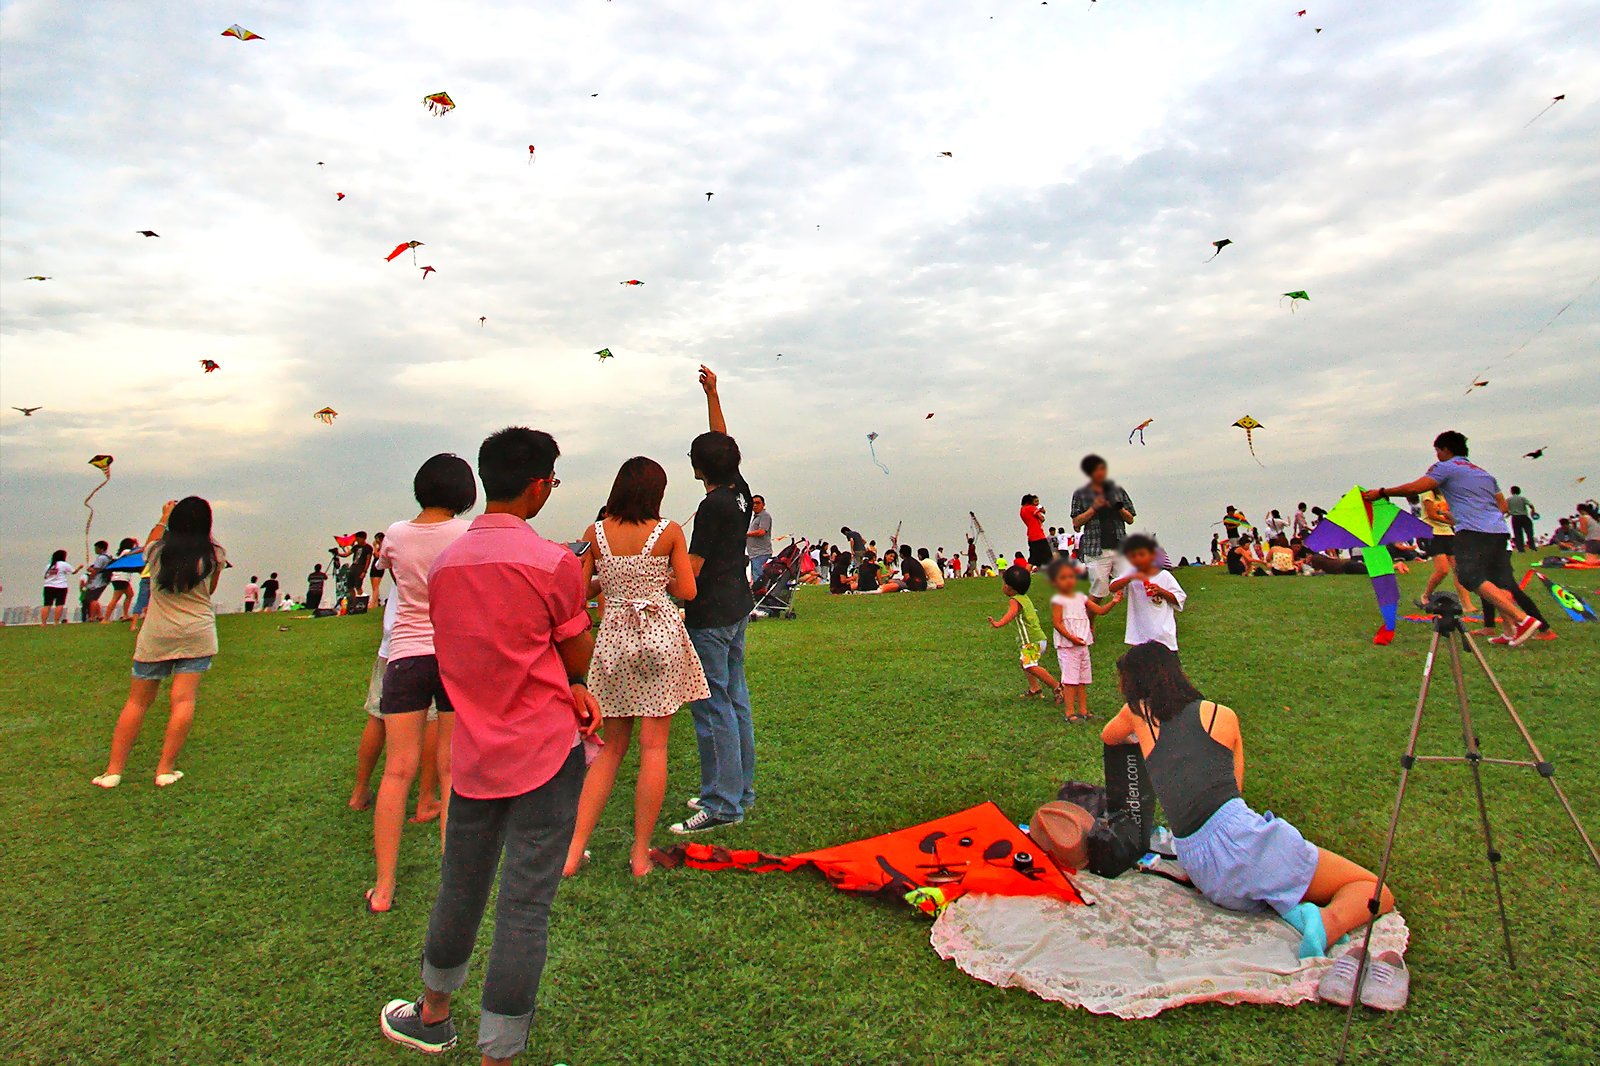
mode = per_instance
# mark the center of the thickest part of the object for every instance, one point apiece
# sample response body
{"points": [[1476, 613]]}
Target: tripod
{"points": [[1447, 628]]}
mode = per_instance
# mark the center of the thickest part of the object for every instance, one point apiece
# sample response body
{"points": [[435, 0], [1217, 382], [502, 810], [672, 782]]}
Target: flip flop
{"points": [[107, 780], [374, 910], [163, 780]]}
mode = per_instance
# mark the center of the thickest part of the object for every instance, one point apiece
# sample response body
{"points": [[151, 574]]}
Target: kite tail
{"points": [[1215, 254], [874, 450], [89, 522], [1250, 442]]}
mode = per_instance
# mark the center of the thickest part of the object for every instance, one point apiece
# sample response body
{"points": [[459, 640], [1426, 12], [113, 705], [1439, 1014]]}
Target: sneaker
{"points": [[1544, 634], [702, 821], [401, 1021], [1525, 629], [1386, 985], [1501, 641]]}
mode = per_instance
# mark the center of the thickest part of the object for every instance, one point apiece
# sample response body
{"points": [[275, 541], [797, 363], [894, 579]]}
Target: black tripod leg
{"points": [[1545, 768], [1474, 763], [1407, 761]]}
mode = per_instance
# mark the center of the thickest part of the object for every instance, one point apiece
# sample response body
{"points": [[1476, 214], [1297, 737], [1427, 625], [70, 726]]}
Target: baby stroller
{"points": [[774, 588]]}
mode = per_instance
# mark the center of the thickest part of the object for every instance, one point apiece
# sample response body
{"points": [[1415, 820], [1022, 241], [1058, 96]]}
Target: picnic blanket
{"points": [[1145, 946]]}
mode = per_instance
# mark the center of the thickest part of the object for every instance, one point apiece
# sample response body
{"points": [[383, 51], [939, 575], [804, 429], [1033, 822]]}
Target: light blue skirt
{"points": [[1244, 861]]}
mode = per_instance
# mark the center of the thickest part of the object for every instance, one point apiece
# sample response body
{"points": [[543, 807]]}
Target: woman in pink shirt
{"points": [[444, 487]]}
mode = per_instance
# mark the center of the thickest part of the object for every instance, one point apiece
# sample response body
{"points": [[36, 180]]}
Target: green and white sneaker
{"points": [[401, 1021]]}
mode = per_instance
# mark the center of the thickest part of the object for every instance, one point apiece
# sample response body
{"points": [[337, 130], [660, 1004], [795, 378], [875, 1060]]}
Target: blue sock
{"points": [[1307, 918]]}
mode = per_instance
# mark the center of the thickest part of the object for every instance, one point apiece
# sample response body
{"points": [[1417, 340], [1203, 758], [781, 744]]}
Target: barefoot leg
{"points": [[185, 687], [651, 790], [141, 694], [597, 785]]}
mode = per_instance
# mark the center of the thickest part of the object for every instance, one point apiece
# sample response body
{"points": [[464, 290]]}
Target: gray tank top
{"points": [[1191, 771]]}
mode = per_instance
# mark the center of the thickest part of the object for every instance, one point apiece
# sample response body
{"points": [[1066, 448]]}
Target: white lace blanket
{"points": [[1145, 946]]}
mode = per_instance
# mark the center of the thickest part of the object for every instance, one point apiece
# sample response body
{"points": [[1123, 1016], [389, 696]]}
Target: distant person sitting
{"points": [[931, 568], [913, 578], [1566, 535]]}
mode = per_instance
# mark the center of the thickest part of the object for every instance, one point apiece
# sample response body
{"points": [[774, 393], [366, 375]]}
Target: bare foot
{"points": [[641, 867], [425, 814], [575, 863], [379, 902], [361, 799]]}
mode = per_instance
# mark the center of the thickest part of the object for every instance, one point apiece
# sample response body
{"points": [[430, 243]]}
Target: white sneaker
{"points": [[1386, 985], [694, 803]]}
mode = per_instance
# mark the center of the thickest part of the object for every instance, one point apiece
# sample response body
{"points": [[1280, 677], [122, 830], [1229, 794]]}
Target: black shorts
{"points": [[1484, 557], [411, 684], [55, 597], [121, 586], [1434, 547], [1039, 552], [92, 594]]}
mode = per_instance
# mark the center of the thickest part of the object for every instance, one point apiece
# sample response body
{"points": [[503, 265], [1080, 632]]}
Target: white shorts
{"points": [[1100, 567], [1074, 660]]}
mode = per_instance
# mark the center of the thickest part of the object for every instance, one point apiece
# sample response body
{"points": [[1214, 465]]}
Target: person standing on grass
{"points": [[269, 591], [315, 582], [360, 554], [1520, 508], [377, 570], [1440, 547], [758, 541], [1482, 543], [1040, 549], [57, 579], [98, 581], [1101, 511], [645, 667], [717, 618], [1030, 635], [178, 638], [512, 641], [252, 594], [370, 746], [1154, 604], [443, 488], [121, 582]]}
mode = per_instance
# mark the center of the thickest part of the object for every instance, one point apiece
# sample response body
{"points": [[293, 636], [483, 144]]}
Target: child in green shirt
{"points": [[1030, 634]]}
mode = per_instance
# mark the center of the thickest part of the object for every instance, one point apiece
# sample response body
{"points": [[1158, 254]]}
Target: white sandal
{"points": [[107, 780], [163, 780]]}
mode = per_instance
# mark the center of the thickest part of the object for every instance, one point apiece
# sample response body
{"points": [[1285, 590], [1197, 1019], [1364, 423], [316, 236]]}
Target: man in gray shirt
{"points": [[758, 542], [1520, 508]]}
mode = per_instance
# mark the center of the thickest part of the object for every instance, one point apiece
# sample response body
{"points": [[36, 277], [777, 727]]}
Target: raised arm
{"points": [[159, 530], [708, 382]]}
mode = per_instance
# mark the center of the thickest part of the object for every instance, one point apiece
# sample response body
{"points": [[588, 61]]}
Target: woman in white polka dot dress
{"points": [[644, 666]]}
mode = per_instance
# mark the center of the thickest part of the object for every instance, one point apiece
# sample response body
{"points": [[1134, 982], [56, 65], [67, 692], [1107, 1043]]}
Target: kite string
{"points": [[1540, 330]]}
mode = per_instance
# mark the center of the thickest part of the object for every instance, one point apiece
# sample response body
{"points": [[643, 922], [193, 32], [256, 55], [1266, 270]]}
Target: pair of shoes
{"points": [[696, 804], [1386, 985], [401, 1021], [702, 821]]}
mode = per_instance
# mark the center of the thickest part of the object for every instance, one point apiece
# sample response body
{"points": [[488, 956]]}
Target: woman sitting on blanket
{"points": [[1237, 858]]}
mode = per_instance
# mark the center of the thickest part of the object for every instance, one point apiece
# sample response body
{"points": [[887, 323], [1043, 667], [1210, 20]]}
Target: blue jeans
{"points": [[722, 724], [758, 563]]}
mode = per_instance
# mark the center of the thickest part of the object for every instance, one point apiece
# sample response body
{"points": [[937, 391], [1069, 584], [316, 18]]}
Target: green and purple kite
{"points": [[1371, 527]]}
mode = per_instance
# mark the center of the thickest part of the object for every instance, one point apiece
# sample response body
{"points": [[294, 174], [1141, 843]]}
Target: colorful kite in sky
{"points": [[325, 416], [872, 446], [426, 271], [239, 32], [208, 365], [1139, 429], [338, 196], [1250, 425], [633, 281], [439, 103], [977, 850], [101, 463], [1219, 246], [530, 155], [1553, 102], [604, 354], [1294, 298], [1370, 527], [400, 249]]}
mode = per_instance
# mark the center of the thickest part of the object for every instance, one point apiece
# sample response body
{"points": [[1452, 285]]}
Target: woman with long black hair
{"points": [[57, 578], [179, 635]]}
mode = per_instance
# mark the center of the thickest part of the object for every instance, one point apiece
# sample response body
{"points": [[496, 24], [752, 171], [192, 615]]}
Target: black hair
{"points": [[758, 498], [1090, 464], [273, 575], [512, 459], [254, 579], [1056, 566], [361, 534], [187, 556], [637, 491], [1029, 498], [1515, 489], [127, 543], [1017, 579], [844, 531], [922, 553], [1139, 542], [906, 551], [1302, 505], [1453, 442], [715, 457], [316, 569], [102, 546], [1275, 513], [1154, 683], [445, 481], [57, 556]]}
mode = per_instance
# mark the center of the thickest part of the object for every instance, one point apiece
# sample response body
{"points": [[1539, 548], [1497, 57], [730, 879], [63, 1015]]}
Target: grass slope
{"points": [[221, 920]]}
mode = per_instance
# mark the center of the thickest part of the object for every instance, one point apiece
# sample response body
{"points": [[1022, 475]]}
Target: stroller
{"points": [[774, 588]]}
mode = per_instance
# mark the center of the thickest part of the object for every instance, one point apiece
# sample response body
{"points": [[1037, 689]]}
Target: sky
{"points": [[1039, 292]]}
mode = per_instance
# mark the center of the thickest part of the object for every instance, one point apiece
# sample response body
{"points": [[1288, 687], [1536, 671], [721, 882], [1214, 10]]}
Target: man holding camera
{"points": [[1101, 511]]}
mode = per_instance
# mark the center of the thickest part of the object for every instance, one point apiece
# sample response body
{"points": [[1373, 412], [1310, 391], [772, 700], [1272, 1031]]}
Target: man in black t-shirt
{"points": [[360, 554], [269, 592], [314, 584], [716, 619]]}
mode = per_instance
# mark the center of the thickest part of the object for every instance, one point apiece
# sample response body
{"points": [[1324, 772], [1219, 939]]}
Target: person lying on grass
{"points": [[1030, 634], [1237, 858]]}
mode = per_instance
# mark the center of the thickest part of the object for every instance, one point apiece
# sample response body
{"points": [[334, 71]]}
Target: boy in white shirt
{"points": [[1153, 606]]}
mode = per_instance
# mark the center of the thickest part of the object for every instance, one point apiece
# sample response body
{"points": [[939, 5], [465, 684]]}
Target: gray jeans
{"points": [[533, 831]]}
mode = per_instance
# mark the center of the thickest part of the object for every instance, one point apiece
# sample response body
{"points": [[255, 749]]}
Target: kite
{"points": [[1301, 13], [1219, 246], [439, 103], [338, 196], [1570, 602], [633, 281], [1293, 297], [604, 354], [1553, 102], [872, 446], [1140, 428], [147, 233], [27, 412], [239, 32], [927, 416], [977, 850], [344, 540], [1249, 425], [530, 155], [37, 277], [1371, 527], [325, 416], [426, 271], [481, 320], [401, 248], [948, 155], [208, 365], [1476, 384], [708, 196], [1537, 453], [101, 463]]}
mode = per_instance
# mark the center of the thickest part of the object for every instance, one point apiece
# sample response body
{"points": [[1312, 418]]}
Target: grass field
{"points": [[220, 921]]}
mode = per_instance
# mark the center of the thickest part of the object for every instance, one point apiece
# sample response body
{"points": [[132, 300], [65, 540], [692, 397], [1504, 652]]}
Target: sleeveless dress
{"points": [[644, 665]]}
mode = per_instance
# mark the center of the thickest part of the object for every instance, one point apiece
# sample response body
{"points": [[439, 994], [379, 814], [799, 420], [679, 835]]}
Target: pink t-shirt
{"points": [[409, 549], [501, 598]]}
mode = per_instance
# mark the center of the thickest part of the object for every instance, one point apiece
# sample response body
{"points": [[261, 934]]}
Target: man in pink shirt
{"points": [[511, 636]]}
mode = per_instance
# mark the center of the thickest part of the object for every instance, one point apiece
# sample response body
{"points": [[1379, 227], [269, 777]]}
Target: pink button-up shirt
{"points": [[501, 597]]}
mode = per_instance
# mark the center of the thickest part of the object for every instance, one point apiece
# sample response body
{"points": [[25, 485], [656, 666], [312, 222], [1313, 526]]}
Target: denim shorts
{"points": [[167, 667]]}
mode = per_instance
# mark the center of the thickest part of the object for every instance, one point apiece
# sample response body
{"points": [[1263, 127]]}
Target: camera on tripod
{"points": [[1446, 609]]}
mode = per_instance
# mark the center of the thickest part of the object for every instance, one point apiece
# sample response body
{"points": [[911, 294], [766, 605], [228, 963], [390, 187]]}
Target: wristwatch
{"points": [[584, 681]]}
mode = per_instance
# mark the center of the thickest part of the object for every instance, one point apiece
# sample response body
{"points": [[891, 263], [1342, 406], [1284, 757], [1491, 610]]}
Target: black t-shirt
{"points": [[360, 557], [720, 525], [866, 577], [913, 576], [315, 580], [269, 588]]}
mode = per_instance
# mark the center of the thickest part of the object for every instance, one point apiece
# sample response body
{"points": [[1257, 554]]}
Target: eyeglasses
{"points": [[553, 482]]}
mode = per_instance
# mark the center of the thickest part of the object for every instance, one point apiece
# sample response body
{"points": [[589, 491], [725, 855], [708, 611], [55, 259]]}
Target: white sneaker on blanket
{"points": [[1386, 985]]}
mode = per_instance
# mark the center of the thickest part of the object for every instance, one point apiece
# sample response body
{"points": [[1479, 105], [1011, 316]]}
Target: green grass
{"points": [[220, 921]]}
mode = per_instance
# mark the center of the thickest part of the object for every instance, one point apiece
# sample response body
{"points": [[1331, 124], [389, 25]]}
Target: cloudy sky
{"points": [[1040, 293]]}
